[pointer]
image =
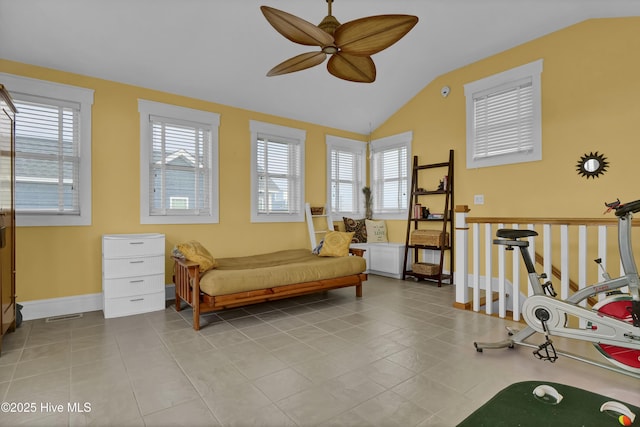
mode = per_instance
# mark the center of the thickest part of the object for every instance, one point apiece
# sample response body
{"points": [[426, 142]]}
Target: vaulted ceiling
{"points": [[221, 50]]}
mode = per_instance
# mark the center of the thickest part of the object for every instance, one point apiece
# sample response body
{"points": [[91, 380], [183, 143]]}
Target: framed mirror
{"points": [[592, 165]]}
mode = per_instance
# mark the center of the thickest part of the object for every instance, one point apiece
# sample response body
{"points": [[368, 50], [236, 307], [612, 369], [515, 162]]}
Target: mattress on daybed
{"points": [[248, 273]]}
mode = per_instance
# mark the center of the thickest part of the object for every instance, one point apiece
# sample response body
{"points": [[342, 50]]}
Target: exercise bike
{"points": [[612, 325]]}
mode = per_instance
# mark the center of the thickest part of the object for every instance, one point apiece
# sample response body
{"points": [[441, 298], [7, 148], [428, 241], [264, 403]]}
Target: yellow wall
{"points": [[65, 261], [590, 93], [590, 102]]}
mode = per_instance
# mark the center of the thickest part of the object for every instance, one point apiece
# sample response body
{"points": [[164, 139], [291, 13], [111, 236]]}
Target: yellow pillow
{"points": [[336, 243], [195, 252]]}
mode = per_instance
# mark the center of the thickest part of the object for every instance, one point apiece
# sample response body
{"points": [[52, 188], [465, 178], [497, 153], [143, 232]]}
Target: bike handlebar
{"points": [[624, 208]]}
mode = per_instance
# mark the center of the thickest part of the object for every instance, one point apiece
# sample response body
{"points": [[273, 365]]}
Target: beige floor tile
{"points": [[320, 369], [268, 416], [79, 343], [389, 408], [154, 394], [215, 378], [429, 394], [297, 352], [234, 401], [276, 341], [112, 403], [193, 413], [258, 365], [312, 406], [43, 365], [281, 384]]}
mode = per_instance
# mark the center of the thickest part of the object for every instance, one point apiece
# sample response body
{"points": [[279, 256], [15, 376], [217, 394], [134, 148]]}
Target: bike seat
{"points": [[632, 207], [509, 233]]}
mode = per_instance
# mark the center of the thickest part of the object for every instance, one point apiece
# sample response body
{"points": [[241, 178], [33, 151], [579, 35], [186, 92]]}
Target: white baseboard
{"points": [[40, 309], [43, 308]]}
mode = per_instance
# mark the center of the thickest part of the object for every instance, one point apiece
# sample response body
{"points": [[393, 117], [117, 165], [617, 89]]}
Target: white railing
{"points": [[493, 280]]}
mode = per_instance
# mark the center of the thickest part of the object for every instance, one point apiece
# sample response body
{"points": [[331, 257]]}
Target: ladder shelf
{"points": [[318, 225], [421, 235]]}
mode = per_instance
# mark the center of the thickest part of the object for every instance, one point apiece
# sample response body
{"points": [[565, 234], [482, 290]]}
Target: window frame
{"points": [[384, 144], [284, 132], [359, 148], [42, 90], [505, 80], [147, 109]]}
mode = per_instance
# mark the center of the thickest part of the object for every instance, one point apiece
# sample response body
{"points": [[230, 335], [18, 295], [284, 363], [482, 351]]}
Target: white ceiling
{"points": [[220, 50]]}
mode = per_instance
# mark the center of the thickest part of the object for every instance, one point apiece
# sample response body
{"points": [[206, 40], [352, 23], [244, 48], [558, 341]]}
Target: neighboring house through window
{"points": [[178, 164], [277, 173], [346, 176], [390, 175], [503, 117], [52, 152]]}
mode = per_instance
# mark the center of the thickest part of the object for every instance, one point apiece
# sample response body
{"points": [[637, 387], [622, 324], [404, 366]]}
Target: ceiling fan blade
{"points": [[298, 63], [354, 68], [370, 35], [296, 29]]}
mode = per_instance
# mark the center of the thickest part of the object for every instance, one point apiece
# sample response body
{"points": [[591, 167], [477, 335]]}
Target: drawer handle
{"points": [[136, 243], [136, 281], [136, 299], [136, 262]]}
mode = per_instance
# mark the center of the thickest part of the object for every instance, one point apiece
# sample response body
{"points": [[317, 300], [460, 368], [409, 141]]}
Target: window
{"points": [[503, 117], [345, 176], [390, 166], [277, 173], [53, 152], [178, 164]]}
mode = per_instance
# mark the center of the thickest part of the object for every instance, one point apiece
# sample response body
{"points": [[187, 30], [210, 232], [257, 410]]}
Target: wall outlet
{"points": [[478, 199]]}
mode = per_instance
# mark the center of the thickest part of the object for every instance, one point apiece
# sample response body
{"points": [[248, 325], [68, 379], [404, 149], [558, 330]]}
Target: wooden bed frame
{"points": [[186, 277]]}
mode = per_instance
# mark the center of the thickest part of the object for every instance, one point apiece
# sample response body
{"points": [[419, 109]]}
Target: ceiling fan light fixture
{"points": [[330, 50]]}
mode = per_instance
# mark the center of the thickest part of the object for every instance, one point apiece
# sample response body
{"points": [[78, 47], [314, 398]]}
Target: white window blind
{"points": [[346, 175], [47, 156], [178, 164], [504, 117], [180, 168], [53, 152], [344, 194], [390, 176], [503, 120], [278, 170]]}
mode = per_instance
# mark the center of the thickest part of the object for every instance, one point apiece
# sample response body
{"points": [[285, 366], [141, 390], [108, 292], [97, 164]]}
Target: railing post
{"points": [[462, 256]]}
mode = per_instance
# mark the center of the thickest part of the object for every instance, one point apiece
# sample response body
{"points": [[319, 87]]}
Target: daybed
{"points": [[234, 282]]}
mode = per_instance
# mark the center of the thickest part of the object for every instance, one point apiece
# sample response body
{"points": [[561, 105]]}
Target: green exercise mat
{"points": [[516, 405]]}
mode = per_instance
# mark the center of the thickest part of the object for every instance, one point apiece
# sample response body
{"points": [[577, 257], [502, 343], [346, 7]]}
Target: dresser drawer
{"points": [[125, 306], [135, 266], [131, 245], [128, 286]]}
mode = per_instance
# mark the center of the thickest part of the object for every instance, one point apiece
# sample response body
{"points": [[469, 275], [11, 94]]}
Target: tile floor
{"points": [[400, 356]]}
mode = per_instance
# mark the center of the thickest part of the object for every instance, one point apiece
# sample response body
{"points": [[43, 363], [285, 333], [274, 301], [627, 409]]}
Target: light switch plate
{"points": [[478, 199]]}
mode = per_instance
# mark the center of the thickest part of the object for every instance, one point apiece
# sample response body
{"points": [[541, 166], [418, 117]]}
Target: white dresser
{"points": [[132, 274]]}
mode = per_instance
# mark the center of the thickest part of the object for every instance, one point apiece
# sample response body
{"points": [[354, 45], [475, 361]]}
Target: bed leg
{"points": [[195, 305], [196, 320], [359, 290], [178, 300]]}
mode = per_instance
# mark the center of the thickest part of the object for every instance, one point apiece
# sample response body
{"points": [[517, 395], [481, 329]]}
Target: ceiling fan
{"points": [[350, 45]]}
